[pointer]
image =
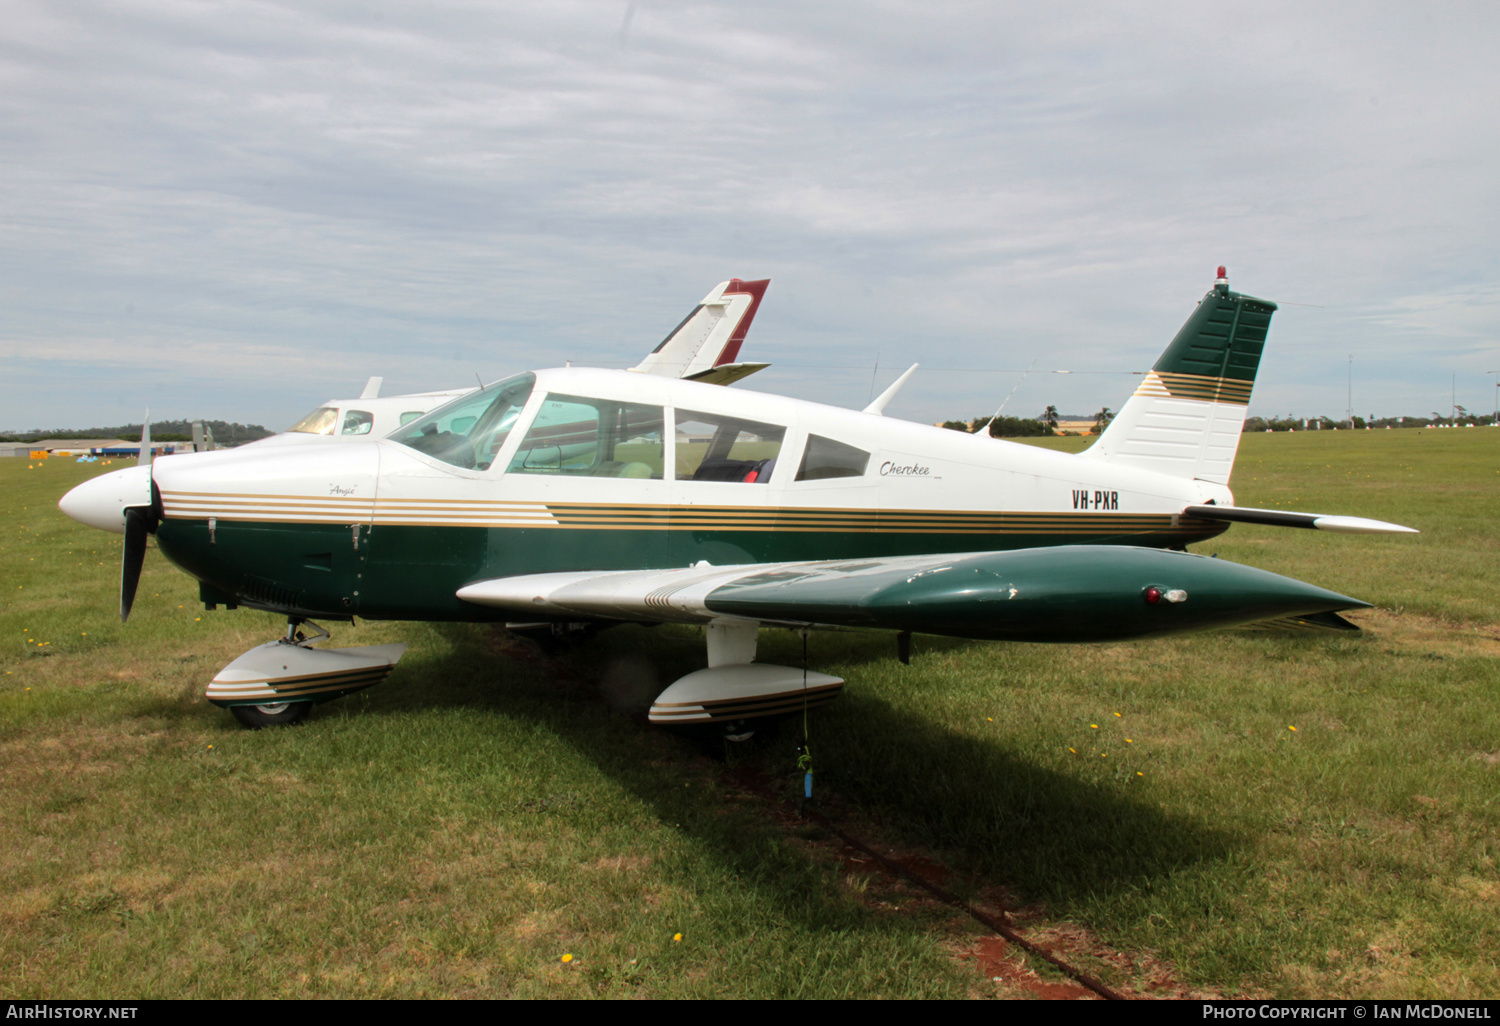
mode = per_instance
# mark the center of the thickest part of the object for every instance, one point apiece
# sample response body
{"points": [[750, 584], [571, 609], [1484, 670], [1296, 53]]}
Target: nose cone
{"points": [[101, 502]]}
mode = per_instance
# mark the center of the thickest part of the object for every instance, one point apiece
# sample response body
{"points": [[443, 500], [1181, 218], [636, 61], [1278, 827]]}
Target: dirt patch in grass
{"points": [[998, 964], [1429, 633]]}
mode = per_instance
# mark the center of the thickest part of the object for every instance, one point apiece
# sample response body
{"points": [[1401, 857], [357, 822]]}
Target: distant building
{"points": [[112, 448]]}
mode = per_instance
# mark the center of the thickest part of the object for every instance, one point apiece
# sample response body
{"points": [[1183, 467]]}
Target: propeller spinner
{"points": [[125, 502]]}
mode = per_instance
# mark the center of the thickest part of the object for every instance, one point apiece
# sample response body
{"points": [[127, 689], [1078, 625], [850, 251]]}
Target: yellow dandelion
{"points": [[1128, 741], [990, 719], [1139, 773], [676, 937], [1093, 726], [1117, 714], [1073, 750], [1290, 727], [567, 958]]}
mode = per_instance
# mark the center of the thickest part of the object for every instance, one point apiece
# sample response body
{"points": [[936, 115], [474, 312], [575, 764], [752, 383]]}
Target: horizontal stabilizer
{"points": [[1287, 518], [727, 373]]}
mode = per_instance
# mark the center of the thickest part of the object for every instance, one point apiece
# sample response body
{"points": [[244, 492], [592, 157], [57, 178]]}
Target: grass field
{"points": [[1240, 813]]}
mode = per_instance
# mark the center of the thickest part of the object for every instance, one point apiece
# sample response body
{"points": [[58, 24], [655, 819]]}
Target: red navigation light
{"points": [[1153, 595], [1223, 273]]}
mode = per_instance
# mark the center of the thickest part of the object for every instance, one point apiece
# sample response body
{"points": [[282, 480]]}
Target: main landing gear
{"points": [[278, 683], [734, 696]]}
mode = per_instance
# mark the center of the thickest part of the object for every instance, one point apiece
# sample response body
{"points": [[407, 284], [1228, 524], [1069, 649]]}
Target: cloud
{"points": [[334, 190]]}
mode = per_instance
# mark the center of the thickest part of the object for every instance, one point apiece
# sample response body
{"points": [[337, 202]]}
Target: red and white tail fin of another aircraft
{"points": [[704, 346]]}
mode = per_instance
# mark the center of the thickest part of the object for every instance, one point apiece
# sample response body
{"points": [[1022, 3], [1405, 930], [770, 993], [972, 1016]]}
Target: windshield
{"points": [[319, 422], [470, 430]]}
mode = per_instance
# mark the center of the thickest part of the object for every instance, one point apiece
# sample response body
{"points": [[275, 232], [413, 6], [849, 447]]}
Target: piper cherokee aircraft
{"points": [[571, 495], [702, 347]]}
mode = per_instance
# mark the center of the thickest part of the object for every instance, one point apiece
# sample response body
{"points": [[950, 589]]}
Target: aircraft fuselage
{"points": [[382, 530]]}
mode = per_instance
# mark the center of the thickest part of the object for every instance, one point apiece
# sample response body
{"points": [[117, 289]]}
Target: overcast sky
{"points": [[239, 209]]}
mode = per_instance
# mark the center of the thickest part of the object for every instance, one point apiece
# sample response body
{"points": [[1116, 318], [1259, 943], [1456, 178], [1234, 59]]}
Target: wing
{"points": [[1287, 518], [1063, 593]]}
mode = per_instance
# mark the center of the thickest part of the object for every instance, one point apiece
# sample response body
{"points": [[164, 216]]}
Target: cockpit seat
{"points": [[733, 470]]}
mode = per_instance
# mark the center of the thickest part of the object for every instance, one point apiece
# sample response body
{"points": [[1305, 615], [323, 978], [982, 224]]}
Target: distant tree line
{"points": [[225, 432], [1001, 427], [1459, 418], [1025, 427]]}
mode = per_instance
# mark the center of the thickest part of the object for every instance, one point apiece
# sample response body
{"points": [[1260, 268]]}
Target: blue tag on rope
{"points": [[807, 785]]}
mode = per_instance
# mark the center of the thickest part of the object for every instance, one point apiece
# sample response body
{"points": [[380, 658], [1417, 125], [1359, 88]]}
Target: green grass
{"points": [[459, 829]]}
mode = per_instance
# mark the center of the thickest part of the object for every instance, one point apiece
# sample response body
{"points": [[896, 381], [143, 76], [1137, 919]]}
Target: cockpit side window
{"points": [[469, 431], [357, 422], [321, 421], [713, 447], [824, 458], [582, 437]]}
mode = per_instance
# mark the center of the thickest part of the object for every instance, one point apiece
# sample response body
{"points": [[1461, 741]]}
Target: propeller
{"points": [[126, 502], [137, 526], [139, 522]]}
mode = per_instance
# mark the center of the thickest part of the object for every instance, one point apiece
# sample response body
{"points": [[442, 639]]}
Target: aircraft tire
{"points": [[279, 714]]}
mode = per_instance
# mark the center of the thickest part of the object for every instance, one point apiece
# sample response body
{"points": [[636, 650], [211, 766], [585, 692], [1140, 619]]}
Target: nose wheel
{"points": [[278, 683], [275, 714]]}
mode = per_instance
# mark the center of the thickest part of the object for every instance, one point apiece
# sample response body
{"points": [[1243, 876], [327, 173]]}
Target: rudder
{"points": [[1186, 417]]}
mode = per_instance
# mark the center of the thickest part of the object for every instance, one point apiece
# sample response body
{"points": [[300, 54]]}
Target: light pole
{"points": [[1495, 422], [1349, 398]]}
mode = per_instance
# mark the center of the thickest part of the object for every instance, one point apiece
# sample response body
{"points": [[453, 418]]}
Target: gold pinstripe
{"points": [[1196, 386], [615, 516]]}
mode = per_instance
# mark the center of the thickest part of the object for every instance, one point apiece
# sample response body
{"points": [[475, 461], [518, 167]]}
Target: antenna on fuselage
{"points": [[878, 404], [1012, 392]]}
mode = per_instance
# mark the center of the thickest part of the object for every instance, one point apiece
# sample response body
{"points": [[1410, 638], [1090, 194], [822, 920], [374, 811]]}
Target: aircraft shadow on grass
{"points": [[978, 804]]}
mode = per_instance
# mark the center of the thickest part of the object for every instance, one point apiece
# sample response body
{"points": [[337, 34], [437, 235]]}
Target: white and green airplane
{"points": [[583, 495]]}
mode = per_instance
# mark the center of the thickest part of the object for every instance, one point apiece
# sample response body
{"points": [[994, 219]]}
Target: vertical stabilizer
{"points": [[1186, 417], [711, 335]]}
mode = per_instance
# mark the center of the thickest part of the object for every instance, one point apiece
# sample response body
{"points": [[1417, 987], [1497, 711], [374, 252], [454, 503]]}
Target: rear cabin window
{"points": [[470, 430], [712, 447], [824, 458], [576, 436]]}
